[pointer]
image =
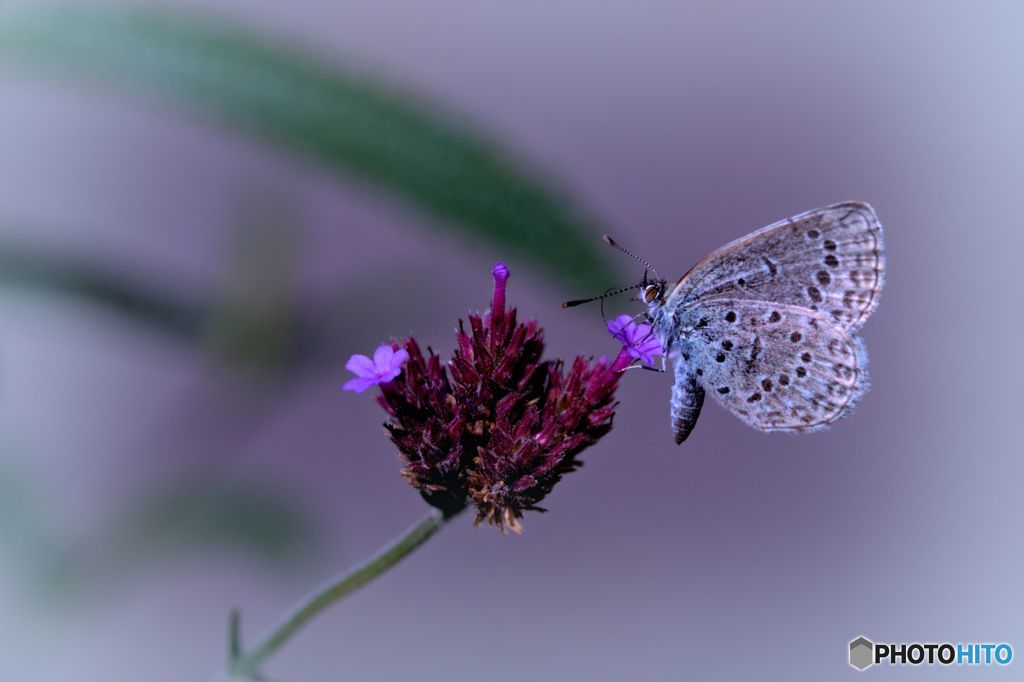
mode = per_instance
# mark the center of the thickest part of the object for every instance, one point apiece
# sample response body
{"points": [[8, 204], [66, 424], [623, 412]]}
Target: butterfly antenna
{"points": [[604, 296], [612, 242], [610, 292]]}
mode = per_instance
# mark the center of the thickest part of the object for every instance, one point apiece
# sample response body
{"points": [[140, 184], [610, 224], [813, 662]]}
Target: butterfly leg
{"points": [[687, 399], [647, 367]]}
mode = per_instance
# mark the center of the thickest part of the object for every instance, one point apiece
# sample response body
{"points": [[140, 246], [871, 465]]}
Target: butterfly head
{"points": [[652, 292]]}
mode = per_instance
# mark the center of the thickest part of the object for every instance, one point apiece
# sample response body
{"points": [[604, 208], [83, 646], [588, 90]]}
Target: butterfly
{"points": [[767, 323]]}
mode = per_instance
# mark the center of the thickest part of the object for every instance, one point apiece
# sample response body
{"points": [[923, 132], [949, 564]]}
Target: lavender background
{"points": [[681, 125]]}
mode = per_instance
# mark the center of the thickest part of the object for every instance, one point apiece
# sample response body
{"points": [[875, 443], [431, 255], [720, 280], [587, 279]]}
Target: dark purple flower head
{"points": [[637, 338], [496, 425]]}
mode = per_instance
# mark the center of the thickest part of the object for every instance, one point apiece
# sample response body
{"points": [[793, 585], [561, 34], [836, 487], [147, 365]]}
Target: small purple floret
{"points": [[637, 339], [385, 366]]}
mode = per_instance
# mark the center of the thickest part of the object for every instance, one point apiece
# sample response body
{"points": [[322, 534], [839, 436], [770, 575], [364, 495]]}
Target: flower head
{"points": [[637, 339], [496, 426], [386, 365]]}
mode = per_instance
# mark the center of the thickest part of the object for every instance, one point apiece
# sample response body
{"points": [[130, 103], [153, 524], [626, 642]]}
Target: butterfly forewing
{"points": [[777, 367], [828, 260]]}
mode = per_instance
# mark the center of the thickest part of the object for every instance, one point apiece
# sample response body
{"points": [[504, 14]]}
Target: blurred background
{"points": [[207, 206]]}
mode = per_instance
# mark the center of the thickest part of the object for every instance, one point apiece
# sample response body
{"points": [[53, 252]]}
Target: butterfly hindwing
{"points": [[830, 260], [777, 367]]}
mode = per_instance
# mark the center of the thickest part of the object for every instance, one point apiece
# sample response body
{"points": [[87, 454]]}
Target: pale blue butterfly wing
{"points": [[765, 323], [830, 259], [776, 367]]}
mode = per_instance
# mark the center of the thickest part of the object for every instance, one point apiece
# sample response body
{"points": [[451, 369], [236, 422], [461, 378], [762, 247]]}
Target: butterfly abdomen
{"points": [[687, 399]]}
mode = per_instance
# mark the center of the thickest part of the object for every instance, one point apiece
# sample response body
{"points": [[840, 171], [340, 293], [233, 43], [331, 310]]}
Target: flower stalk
{"points": [[246, 665]]}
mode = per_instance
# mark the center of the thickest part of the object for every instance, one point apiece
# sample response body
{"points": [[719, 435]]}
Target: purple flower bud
{"points": [[501, 274], [496, 425]]}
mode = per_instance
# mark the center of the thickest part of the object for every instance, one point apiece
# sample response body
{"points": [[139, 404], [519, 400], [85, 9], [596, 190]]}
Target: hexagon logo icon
{"points": [[862, 653]]}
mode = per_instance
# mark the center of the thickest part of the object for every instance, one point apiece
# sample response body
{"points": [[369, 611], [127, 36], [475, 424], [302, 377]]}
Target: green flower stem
{"points": [[246, 665]]}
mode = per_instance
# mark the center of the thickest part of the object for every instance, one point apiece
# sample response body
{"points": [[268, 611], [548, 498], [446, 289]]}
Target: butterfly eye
{"points": [[651, 293]]}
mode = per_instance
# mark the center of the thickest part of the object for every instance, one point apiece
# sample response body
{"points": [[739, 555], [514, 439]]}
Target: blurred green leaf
{"points": [[321, 111], [190, 518], [250, 325], [260, 525], [257, 521], [26, 527], [204, 515], [253, 320], [248, 322], [35, 270], [234, 636]]}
